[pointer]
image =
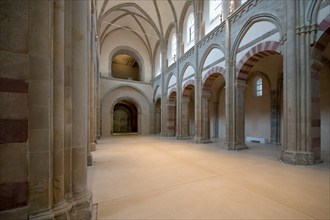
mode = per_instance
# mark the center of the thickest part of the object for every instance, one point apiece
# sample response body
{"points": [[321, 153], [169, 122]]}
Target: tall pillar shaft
{"points": [[275, 118], [240, 116], [171, 117], [60, 206], [230, 79], [185, 117], [292, 152], [205, 117], [40, 110], [80, 82]]}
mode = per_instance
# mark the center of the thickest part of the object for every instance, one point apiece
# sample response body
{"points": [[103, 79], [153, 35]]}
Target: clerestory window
{"points": [[215, 11], [259, 87], [191, 28], [173, 47]]}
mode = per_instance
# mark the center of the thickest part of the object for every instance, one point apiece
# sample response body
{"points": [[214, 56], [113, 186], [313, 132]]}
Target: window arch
{"points": [[215, 11], [191, 28]]}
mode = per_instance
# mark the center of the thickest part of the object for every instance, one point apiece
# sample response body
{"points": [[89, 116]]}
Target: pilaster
{"points": [[240, 116], [206, 95], [185, 117]]}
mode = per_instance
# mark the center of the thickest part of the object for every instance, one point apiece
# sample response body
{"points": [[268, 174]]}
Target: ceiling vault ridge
{"points": [[110, 23], [145, 35], [118, 7], [159, 18], [126, 28]]}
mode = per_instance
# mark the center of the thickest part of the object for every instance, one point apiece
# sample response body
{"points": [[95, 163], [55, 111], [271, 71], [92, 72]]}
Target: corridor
{"points": [[151, 177]]}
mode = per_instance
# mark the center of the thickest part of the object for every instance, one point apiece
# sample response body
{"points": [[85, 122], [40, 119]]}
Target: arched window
{"points": [[215, 11], [173, 47], [191, 28], [259, 87]]}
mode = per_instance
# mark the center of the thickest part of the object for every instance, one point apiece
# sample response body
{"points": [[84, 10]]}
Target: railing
{"points": [[215, 32], [171, 67], [186, 55]]}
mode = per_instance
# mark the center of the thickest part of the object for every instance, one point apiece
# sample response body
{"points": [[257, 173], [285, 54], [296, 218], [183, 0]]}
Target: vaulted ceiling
{"points": [[149, 20]]}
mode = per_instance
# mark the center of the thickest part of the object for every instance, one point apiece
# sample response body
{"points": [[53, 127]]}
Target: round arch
{"points": [[206, 54], [254, 19], [255, 54], [131, 52], [124, 93], [184, 69]]}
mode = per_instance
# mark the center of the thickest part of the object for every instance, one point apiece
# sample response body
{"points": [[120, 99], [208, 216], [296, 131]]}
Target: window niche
{"points": [[125, 66]]}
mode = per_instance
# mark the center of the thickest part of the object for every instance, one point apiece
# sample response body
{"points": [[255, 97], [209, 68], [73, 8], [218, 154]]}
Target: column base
{"points": [[200, 140], [13, 214], [92, 146], [89, 160], [299, 157], [236, 147], [83, 206]]}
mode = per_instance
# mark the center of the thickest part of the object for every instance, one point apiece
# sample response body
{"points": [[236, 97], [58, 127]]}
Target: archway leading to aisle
{"points": [[125, 117]]}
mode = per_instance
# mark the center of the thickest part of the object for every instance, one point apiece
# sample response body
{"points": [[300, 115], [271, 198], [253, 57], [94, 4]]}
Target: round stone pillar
{"points": [[205, 117], [80, 132], [60, 205]]}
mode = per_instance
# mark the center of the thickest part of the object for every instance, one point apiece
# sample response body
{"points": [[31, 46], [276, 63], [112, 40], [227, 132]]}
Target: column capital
{"points": [[241, 85]]}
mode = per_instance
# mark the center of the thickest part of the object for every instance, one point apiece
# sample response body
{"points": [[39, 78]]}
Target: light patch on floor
{"points": [[140, 177]]}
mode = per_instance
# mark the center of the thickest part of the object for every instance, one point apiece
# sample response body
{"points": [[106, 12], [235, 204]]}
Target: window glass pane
{"points": [[173, 48], [215, 9], [259, 87], [191, 28]]}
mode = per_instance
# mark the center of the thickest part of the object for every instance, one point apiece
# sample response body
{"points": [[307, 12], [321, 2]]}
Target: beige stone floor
{"points": [[140, 177]]}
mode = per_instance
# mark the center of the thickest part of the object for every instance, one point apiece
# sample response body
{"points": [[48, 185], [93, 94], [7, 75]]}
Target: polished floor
{"points": [[140, 177]]}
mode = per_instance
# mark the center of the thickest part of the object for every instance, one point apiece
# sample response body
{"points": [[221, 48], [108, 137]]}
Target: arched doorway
{"points": [[259, 86], [171, 114], [125, 117], [188, 111], [320, 102], [214, 92], [124, 66], [158, 111]]}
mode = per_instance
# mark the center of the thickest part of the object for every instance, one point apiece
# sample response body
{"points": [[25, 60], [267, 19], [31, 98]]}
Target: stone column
{"points": [[185, 117], [216, 118], [230, 101], [90, 67], [60, 206], [179, 90], [205, 117], [290, 150], [198, 76], [275, 118], [171, 117], [40, 110], [80, 82], [178, 107], [67, 104], [158, 114], [164, 107], [14, 110], [240, 116]]}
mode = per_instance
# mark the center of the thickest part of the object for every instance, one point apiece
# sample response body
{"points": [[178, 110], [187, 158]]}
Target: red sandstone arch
{"points": [[322, 42], [317, 53], [255, 54], [211, 75], [187, 87], [169, 94]]}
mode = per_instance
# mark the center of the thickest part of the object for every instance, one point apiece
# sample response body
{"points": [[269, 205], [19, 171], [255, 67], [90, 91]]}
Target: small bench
{"points": [[260, 140]]}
